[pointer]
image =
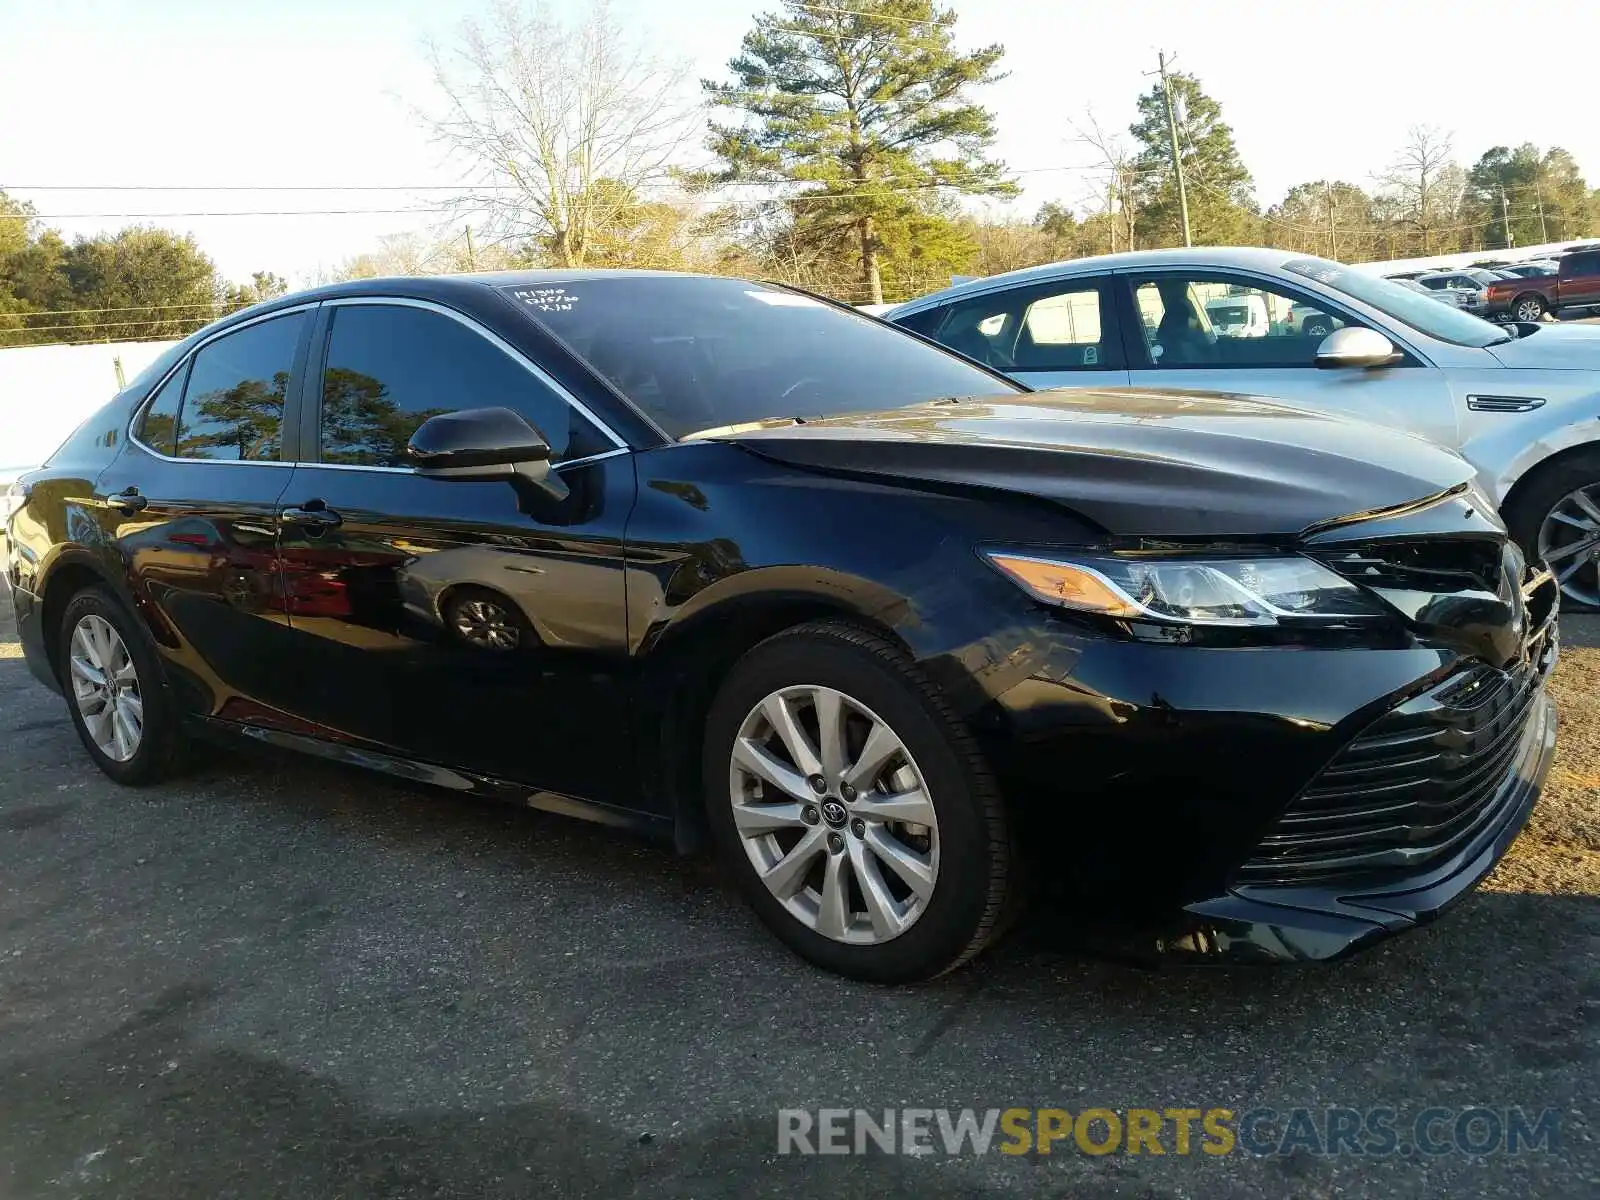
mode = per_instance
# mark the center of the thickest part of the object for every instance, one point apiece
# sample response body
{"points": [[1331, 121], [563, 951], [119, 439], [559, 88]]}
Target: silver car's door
{"points": [[1171, 343], [1058, 334]]}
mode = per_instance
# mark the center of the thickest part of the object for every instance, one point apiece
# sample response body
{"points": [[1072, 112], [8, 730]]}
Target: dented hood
{"points": [[1137, 463]]}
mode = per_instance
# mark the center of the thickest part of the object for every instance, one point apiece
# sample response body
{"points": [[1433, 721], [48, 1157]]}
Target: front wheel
{"points": [[1556, 519], [854, 808]]}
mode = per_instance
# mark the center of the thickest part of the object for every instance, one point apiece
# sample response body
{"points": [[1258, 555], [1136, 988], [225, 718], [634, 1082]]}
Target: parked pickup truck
{"points": [[1575, 285]]}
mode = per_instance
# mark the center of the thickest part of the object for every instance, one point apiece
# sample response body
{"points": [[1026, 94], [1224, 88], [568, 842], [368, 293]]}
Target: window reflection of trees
{"points": [[247, 417], [361, 424]]}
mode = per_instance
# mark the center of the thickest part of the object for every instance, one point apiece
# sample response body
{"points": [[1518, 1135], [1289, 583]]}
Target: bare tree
{"points": [[1120, 176], [1420, 176], [557, 122]]}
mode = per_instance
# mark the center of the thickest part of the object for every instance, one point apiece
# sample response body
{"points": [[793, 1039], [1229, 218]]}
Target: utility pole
{"points": [[1505, 216], [472, 259], [1538, 198], [1333, 230], [1177, 158]]}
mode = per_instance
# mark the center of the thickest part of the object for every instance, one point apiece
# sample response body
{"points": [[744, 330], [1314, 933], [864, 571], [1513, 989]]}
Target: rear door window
{"points": [[1065, 326], [233, 402]]}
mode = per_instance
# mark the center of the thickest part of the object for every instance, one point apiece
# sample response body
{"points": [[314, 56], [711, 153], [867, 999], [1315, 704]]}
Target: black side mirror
{"points": [[479, 443]]}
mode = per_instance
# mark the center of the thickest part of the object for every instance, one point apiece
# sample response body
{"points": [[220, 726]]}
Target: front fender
{"points": [[1507, 452]]}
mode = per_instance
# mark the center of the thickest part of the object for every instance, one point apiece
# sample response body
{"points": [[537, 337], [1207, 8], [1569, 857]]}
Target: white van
{"points": [[1238, 316]]}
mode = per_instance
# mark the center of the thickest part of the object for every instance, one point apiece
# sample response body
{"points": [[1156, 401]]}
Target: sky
{"points": [[162, 98]]}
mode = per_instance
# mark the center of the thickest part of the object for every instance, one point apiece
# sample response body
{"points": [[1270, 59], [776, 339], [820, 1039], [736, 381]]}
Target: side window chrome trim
{"points": [[500, 344], [182, 364]]}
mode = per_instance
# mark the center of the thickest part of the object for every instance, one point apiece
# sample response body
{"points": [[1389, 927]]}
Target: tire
{"points": [[1529, 307], [973, 891], [160, 751], [1317, 327], [1532, 505], [486, 620]]}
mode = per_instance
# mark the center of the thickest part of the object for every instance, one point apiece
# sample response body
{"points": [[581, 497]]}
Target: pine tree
{"points": [[1221, 204], [863, 109]]}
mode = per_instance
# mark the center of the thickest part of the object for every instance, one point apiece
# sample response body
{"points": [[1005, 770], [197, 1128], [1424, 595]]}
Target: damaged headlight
{"points": [[1191, 591]]}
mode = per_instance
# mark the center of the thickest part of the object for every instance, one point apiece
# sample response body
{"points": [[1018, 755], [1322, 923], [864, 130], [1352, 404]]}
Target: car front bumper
{"points": [[1274, 924], [1270, 804]]}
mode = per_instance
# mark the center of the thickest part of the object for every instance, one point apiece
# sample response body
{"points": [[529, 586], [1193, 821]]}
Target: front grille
{"points": [[1411, 789]]}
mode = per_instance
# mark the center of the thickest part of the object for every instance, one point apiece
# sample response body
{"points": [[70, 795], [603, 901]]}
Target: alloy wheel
{"points": [[834, 815], [1569, 541], [486, 624], [105, 688], [1529, 310]]}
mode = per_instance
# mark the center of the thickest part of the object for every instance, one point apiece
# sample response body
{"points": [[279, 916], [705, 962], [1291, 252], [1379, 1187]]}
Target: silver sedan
{"points": [[1521, 403]]}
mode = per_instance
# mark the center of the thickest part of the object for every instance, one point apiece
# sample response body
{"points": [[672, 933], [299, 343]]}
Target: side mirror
{"points": [[1355, 347], [479, 443]]}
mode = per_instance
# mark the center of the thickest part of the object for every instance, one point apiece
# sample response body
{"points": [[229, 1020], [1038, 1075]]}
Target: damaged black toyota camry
{"points": [[720, 561]]}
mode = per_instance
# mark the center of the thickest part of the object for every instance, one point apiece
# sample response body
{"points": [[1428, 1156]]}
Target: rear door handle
{"points": [[129, 501], [313, 514]]}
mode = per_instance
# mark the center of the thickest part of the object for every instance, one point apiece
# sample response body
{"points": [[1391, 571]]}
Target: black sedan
{"points": [[715, 559]]}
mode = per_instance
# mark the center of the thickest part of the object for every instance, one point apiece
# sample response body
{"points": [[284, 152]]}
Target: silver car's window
{"points": [[1423, 313]]}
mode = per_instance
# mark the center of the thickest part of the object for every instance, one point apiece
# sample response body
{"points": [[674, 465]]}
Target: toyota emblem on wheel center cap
{"points": [[834, 813]]}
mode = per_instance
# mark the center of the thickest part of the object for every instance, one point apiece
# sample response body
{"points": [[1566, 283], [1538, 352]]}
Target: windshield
{"points": [[1421, 312], [697, 353]]}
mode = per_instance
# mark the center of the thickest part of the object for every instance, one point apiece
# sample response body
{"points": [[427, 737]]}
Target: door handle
{"points": [[313, 514], [129, 501]]}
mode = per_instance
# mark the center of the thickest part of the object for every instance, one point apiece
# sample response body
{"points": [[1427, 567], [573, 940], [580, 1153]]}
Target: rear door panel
{"points": [[197, 544]]}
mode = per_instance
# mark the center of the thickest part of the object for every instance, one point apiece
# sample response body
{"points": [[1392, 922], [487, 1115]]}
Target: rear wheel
{"points": [[854, 808], [114, 690], [1556, 519], [1529, 308]]}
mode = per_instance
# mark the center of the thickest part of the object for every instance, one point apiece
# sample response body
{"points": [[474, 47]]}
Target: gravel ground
{"points": [[281, 979]]}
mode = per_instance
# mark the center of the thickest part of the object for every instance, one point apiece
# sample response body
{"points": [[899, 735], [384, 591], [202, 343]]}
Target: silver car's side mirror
{"points": [[1353, 347]]}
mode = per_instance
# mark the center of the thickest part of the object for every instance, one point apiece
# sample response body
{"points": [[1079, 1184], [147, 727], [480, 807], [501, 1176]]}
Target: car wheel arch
{"points": [[1530, 476], [70, 573], [687, 664]]}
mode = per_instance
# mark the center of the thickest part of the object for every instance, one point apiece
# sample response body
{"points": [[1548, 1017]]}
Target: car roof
{"points": [[1193, 256], [467, 291]]}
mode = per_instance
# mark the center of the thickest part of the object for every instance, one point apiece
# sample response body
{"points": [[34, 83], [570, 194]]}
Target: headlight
{"points": [[1210, 591]]}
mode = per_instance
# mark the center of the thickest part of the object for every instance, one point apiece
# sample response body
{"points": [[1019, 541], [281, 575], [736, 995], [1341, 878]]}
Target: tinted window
{"points": [[233, 404], [1205, 320], [158, 427], [698, 353], [391, 367], [1065, 326], [1445, 322], [1580, 264]]}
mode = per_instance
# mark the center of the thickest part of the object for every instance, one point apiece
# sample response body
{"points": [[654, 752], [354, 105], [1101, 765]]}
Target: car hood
{"points": [[1554, 347], [1137, 463]]}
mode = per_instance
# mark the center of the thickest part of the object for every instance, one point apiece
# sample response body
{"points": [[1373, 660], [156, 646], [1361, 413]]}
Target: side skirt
{"points": [[488, 787]]}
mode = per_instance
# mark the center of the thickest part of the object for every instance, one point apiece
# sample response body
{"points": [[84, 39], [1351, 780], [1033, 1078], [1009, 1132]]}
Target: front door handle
{"points": [[129, 501], [313, 514]]}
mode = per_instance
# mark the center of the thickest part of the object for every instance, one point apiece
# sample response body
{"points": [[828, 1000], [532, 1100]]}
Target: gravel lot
{"points": [[281, 979]]}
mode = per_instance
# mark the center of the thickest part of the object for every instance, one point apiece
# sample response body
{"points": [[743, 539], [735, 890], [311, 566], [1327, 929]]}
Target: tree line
{"points": [[139, 284], [845, 150]]}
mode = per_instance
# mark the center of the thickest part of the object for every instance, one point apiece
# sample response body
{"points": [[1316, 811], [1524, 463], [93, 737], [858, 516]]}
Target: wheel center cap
{"points": [[834, 814]]}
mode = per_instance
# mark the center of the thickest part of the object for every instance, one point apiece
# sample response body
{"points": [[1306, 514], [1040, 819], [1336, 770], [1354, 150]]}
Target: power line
{"points": [[64, 312]]}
